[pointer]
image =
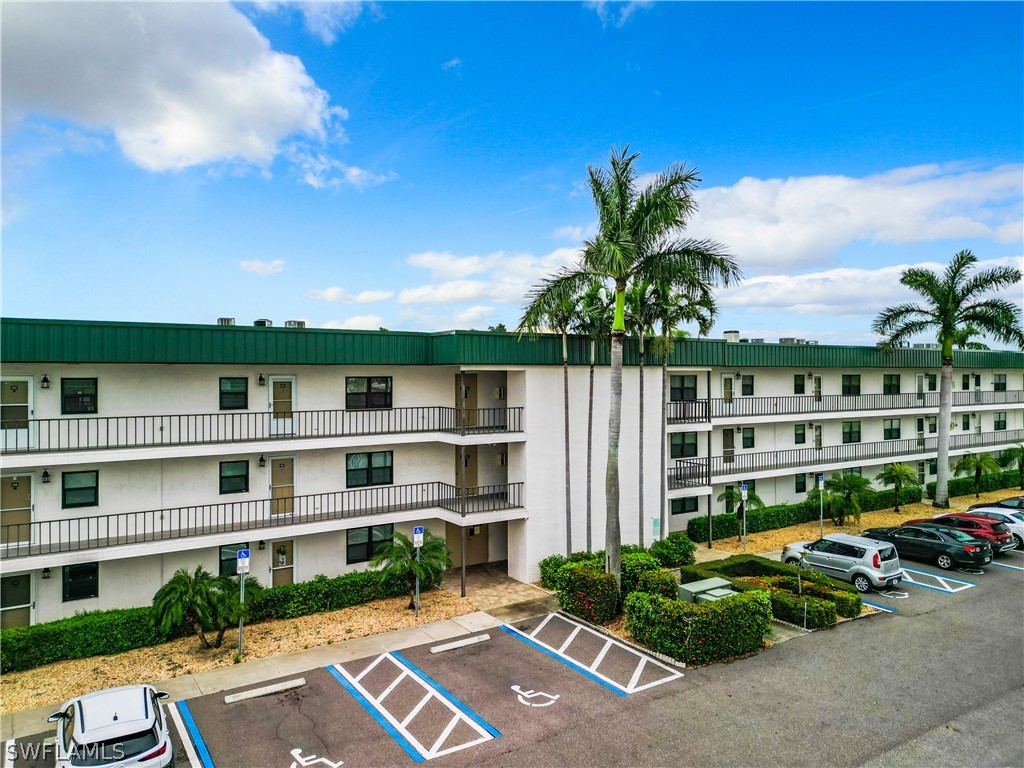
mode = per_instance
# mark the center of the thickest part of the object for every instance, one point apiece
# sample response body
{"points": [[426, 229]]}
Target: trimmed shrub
{"points": [[1008, 479], [588, 592], [634, 565], [631, 549], [549, 568], [848, 604], [675, 550], [700, 633], [93, 633], [288, 601], [659, 583]]}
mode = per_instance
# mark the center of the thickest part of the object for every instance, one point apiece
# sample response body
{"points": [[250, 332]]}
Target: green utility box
{"points": [[705, 591]]}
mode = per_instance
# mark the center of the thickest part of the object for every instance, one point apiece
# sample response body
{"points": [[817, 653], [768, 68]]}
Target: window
{"points": [[851, 431], [363, 543], [999, 421], [747, 385], [800, 485], [78, 396], [229, 559], [965, 421], [81, 581], [890, 384], [234, 394], [234, 476], [891, 429], [999, 382], [799, 383], [933, 466], [851, 383], [920, 473], [965, 381], [799, 434], [362, 469], [933, 425], [367, 392], [683, 444], [684, 506], [80, 489], [932, 382], [748, 437], [682, 388], [852, 471]]}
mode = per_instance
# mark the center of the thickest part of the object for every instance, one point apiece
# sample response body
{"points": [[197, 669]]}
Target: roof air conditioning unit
{"points": [[757, 341], [812, 343], [788, 340], [732, 336], [263, 323], [225, 321], [294, 323]]}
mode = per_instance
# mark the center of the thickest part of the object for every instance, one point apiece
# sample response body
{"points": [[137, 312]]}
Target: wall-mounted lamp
{"points": [[810, 425], [810, 374], [263, 461], [44, 382], [261, 381], [739, 429], [46, 573], [738, 374], [263, 545], [45, 476]]}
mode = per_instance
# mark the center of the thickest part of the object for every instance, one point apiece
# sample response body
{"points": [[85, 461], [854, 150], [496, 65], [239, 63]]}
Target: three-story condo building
{"points": [[130, 450]]}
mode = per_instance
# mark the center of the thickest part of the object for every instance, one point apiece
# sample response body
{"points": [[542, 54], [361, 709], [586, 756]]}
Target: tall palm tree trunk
{"points": [[565, 403], [590, 443], [945, 413], [663, 485], [641, 508], [613, 533]]}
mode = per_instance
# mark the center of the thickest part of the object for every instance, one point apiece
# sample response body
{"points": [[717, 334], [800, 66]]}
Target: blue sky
{"points": [[420, 165]]}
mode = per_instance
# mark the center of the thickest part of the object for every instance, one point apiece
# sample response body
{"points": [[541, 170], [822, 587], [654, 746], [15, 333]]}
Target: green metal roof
{"points": [[25, 340]]}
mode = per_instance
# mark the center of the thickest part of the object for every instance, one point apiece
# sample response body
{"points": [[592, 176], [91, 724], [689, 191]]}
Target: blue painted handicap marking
{"points": [[879, 607]]}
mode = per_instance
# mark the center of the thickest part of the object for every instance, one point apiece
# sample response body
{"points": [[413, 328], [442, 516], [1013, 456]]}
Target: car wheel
{"points": [[944, 561], [793, 561], [1020, 541], [862, 583]]}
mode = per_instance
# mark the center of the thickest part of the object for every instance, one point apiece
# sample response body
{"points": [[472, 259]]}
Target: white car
{"points": [[1014, 520], [122, 727]]}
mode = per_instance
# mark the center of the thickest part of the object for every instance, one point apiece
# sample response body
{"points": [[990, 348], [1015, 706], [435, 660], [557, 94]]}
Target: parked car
{"points": [[980, 527], [1013, 520], [124, 726], [865, 563], [946, 547], [1013, 502]]}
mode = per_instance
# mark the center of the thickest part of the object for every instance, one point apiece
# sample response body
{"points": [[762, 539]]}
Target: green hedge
{"points": [[675, 550], [635, 565], [1008, 479], [552, 564], [848, 604], [322, 594], [93, 633], [700, 633], [659, 583], [784, 515], [588, 592]]}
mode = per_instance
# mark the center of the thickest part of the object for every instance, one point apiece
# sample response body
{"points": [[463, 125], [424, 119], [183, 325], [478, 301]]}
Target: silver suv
{"points": [[124, 726], [866, 563]]}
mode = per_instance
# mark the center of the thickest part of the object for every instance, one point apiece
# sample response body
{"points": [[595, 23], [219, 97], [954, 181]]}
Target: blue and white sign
{"points": [[821, 482], [743, 491], [243, 561], [417, 536]]}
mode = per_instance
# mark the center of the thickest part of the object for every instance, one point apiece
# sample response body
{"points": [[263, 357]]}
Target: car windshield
{"points": [[959, 536], [1018, 515], [1001, 527], [114, 750]]}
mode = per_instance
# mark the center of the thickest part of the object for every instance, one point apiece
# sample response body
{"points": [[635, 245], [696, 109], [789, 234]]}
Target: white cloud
{"points": [[178, 84], [616, 13], [323, 18], [262, 268], [357, 323], [321, 171], [802, 222], [473, 314], [340, 295], [455, 64]]}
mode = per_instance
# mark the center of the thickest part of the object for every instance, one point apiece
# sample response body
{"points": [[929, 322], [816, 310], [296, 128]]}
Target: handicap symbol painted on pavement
{"points": [[525, 697], [301, 762], [896, 594]]}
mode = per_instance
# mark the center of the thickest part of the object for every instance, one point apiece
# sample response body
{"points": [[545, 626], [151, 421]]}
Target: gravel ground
{"points": [[63, 680]]}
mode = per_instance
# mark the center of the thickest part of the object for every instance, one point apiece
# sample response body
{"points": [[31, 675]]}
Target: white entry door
{"points": [[282, 405], [15, 412]]}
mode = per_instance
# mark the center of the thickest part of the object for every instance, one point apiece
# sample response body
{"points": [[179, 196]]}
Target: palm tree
{"points": [[594, 320], [229, 607], [398, 558], [979, 465], [1013, 456], [898, 476], [640, 319], [954, 309], [848, 489], [556, 312], [639, 238], [188, 599], [734, 498]]}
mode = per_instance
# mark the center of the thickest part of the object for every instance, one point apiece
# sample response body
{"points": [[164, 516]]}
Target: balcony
{"points": [[800, 405], [687, 411], [689, 473], [801, 458], [96, 433], [101, 531]]}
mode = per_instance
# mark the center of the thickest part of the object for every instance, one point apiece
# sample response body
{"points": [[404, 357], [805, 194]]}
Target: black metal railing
{"points": [[687, 411], [689, 473], [99, 531], [98, 432], [743, 463], [811, 404]]}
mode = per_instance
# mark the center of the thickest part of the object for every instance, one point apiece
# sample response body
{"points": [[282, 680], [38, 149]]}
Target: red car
{"points": [[978, 526]]}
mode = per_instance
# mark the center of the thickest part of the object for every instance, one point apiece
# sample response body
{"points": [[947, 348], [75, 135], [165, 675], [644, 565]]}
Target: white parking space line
{"points": [[405, 670], [1004, 565], [593, 670], [944, 583], [190, 751]]}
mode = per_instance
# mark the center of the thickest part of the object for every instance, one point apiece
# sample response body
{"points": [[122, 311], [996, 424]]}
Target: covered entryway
{"points": [[15, 509], [15, 600], [466, 399], [477, 544]]}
